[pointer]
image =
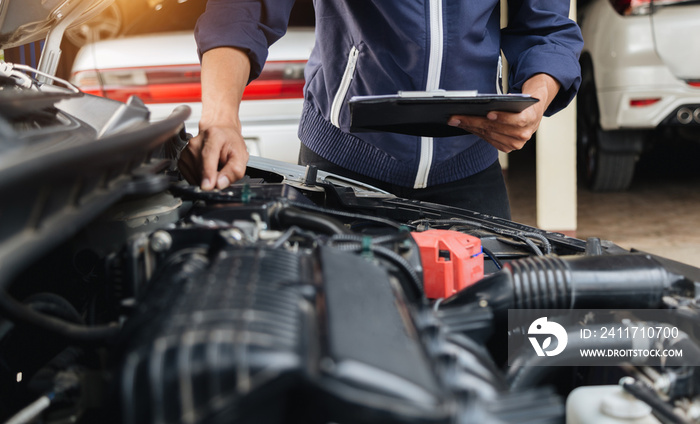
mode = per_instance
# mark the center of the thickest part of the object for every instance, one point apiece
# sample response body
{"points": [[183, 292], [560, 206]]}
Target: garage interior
{"points": [[658, 214]]}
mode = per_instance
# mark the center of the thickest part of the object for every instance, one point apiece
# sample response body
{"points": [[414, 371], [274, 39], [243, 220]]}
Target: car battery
{"points": [[451, 261]]}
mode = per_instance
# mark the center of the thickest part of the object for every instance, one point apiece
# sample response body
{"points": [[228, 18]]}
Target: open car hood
{"points": [[25, 21]]}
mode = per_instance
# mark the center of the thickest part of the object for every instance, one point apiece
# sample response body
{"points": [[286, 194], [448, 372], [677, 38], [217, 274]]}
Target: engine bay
{"points": [[294, 295]]}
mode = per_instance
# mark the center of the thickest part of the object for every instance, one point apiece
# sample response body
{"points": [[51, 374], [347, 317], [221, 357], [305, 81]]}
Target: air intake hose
{"points": [[551, 282]]}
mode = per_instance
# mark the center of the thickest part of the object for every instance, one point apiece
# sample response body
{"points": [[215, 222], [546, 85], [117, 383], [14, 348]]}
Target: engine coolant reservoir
{"points": [[606, 405]]}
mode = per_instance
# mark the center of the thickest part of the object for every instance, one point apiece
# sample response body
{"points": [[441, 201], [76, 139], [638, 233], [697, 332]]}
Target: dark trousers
{"points": [[483, 192]]}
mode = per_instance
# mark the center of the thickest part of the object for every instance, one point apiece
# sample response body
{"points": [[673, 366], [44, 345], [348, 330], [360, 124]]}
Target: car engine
{"points": [[294, 295]]}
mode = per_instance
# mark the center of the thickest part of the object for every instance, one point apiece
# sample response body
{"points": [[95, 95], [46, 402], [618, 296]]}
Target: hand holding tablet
{"points": [[426, 113]]}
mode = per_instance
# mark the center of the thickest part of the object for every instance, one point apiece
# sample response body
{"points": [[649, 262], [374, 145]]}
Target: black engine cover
{"points": [[260, 335]]}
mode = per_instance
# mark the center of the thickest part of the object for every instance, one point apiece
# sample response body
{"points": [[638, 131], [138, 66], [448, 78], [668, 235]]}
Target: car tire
{"points": [[601, 168], [609, 171]]}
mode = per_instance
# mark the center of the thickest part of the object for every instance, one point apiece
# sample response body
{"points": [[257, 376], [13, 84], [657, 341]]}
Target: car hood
{"points": [[24, 21]]}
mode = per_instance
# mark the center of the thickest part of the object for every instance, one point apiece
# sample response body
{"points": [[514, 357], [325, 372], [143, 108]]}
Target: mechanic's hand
{"points": [[215, 158], [510, 131]]}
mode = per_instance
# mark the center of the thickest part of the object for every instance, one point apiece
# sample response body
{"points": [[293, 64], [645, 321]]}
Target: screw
{"points": [[161, 241], [627, 380]]}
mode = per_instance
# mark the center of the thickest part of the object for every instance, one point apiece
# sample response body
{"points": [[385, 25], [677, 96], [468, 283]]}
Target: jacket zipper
{"points": [[433, 83], [344, 86], [499, 76]]}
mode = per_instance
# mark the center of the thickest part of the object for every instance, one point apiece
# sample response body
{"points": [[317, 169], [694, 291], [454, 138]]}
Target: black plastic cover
{"points": [[222, 334]]}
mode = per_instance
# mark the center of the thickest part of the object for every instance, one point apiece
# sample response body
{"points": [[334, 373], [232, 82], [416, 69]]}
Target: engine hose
{"points": [[288, 216], [661, 410], [20, 313], [54, 305], [528, 369], [403, 264], [549, 282]]}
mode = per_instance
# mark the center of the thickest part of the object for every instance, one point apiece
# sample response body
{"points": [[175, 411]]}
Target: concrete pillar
{"points": [[556, 169], [556, 172]]}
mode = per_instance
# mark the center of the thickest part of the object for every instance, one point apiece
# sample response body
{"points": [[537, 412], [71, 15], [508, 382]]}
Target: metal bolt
{"points": [[233, 236], [663, 384], [161, 241], [627, 380]]}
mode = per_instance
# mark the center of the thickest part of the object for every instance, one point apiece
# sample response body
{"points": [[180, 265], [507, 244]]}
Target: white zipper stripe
{"points": [[344, 86], [499, 76], [433, 83], [426, 161], [436, 40]]}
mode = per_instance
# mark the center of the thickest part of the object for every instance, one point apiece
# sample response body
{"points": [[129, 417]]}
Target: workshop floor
{"points": [[659, 214]]}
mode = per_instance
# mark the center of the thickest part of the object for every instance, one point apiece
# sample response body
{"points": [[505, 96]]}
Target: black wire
{"points": [[493, 257], [352, 215], [531, 244], [547, 246], [545, 243], [314, 221]]}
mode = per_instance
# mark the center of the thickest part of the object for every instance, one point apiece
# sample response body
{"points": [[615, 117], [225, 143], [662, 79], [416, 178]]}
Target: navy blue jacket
{"points": [[369, 47]]}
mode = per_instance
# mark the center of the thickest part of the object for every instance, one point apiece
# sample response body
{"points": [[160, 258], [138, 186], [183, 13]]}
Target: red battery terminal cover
{"points": [[451, 261]]}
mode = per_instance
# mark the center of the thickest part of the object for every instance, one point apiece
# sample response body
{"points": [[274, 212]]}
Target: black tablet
{"points": [[425, 113]]}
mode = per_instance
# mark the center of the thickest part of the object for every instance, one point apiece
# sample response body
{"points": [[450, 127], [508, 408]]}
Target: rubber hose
{"points": [[289, 216], [550, 282]]}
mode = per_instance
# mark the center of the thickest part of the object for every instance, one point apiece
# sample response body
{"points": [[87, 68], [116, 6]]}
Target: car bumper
{"points": [[617, 112]]}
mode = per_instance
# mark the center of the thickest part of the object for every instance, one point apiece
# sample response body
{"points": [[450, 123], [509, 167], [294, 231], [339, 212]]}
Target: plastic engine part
{"points": [[451, 261], [222, 336]]}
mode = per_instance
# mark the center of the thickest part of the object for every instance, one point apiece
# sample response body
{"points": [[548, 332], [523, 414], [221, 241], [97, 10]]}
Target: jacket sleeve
{"points": [[250, 25], [540, 38]]}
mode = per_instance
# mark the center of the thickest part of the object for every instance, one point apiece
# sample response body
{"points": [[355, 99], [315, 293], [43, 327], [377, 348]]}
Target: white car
{"points": [[155, 58], [641, 75]]}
